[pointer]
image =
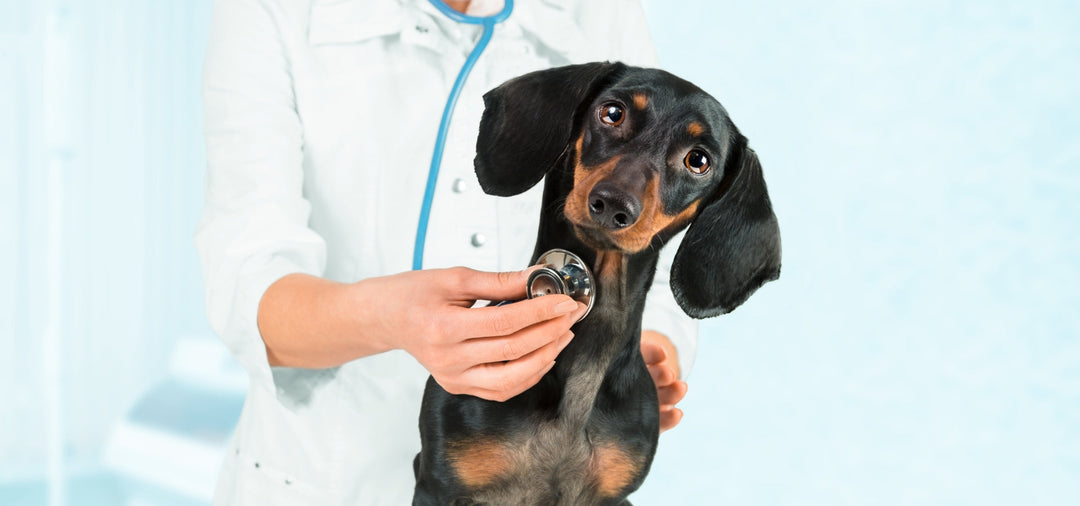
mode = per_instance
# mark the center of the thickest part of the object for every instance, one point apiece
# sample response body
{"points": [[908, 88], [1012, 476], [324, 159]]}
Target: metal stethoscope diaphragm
{"points": [[562, 272]]}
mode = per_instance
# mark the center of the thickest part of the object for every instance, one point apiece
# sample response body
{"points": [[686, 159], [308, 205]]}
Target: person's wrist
{"points": [[365, 320]]}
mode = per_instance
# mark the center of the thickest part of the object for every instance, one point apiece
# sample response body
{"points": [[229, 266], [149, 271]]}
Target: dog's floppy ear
{"points": [[733, 246], [528, 121]]}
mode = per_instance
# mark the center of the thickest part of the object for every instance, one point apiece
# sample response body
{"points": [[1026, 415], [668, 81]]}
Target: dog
{"points": [[630, 157]]}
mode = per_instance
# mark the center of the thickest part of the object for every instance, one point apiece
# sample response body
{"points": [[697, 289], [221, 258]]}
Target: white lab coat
{"points": [[320, 119]]}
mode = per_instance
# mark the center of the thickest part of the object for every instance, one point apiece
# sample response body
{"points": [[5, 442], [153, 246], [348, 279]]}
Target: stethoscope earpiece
{"points": [[562, 272]]}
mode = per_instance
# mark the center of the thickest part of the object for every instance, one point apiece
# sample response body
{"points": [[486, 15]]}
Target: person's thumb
{"points": [[495, 286]]}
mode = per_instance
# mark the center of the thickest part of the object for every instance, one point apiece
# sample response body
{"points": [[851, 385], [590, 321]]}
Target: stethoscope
{"points": [[561, 271], [488, 23]]}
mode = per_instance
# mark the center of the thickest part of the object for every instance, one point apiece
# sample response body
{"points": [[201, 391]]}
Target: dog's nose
{"points": [[612, 208]]}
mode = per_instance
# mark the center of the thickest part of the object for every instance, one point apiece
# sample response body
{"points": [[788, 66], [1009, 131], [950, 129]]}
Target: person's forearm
{"points": [[312, 322], [491, 352]]}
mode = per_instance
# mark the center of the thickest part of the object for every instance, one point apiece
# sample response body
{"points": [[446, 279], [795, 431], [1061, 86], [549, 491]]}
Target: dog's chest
{"points": [[575, 458], [586, 449], [552, 466]]}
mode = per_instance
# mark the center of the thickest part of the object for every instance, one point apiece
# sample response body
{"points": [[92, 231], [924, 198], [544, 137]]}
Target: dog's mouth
{"points": [[595, 237]]}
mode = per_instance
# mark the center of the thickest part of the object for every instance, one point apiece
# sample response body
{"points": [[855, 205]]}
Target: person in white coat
{"points": [[320, 119]]}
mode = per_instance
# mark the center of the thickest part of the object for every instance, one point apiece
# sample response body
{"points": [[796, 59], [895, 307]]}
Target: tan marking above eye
{"points": [[640, 101], [695, 129]]}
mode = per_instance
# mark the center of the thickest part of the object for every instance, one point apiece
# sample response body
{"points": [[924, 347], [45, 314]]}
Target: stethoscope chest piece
{"points": [[563, 272]]}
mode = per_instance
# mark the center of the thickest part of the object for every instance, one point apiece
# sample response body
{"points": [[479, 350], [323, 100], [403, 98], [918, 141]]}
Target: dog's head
{"points": [[648, 153]]}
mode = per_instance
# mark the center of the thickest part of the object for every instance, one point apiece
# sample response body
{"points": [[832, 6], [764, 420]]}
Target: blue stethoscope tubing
{"points": [[488, 23]]}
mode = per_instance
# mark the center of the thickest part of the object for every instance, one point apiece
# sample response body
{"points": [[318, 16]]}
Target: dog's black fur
{"points": [[617, 146]]}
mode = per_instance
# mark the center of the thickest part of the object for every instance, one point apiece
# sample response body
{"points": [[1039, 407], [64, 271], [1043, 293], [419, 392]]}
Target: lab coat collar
{"points": [[553, 24], [351, 21]]}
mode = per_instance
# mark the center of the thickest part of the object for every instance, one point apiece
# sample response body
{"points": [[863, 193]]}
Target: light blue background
{"points": [[922, 346], [923, 343]]}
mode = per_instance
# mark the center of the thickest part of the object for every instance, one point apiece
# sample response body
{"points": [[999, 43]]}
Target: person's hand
{"points": [[663, 362], [491, 352]]}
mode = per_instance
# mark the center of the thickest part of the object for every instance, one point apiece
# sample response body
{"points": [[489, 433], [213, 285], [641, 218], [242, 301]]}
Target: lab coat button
{"points": [[478, 240], [459, 185]]}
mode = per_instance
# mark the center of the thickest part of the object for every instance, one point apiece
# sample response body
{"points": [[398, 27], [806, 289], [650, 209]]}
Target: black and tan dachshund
{"points": [[631, 157]]}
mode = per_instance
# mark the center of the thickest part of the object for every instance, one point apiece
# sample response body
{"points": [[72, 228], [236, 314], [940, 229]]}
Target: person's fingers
{"points": [[510, 318], [578, 313], [514, 346], [670, 418], [653, 353], [474, 284], [502, 396], [662, 375], [511, 378], [671, 394]]}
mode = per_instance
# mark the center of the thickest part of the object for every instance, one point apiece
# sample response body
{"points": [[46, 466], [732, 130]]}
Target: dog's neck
{"points": [[610, 336]]}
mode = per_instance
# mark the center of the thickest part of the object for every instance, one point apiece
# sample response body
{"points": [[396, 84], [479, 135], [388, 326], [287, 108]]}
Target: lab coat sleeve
{"points": [[253, 229], [662, 313]]}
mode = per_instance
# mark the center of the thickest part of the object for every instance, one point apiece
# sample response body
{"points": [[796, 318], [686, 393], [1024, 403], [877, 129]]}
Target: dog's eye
{"points": [[612, 114], [697, 162]]}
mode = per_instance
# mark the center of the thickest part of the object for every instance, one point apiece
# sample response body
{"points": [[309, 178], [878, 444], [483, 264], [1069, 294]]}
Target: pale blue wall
{"points": [[923, 343], [101, 166], [922, 346]]}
